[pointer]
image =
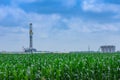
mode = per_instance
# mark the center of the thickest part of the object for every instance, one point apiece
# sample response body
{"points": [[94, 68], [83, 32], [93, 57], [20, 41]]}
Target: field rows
{"points": [[60, 66]]}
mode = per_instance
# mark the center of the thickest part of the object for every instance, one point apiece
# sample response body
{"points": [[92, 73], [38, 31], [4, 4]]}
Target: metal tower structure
{"points": [[30, 49], [31, 37]]}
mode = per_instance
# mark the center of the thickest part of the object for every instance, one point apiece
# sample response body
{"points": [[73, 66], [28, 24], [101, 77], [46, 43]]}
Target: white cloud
{"points": [[45, 36], [12, 15], [95, 6], [77, 24], [13, 38], [12, 30], [46, 22]]}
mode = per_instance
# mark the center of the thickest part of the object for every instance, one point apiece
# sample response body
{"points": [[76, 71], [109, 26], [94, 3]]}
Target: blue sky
{"points": [[59, 25]]}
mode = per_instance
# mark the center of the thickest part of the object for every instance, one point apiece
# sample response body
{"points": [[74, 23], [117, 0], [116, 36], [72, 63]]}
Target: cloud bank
{"points": [[57, 31]]}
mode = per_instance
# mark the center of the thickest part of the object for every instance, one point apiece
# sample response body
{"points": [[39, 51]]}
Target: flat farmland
{"points": [[73, 66]]}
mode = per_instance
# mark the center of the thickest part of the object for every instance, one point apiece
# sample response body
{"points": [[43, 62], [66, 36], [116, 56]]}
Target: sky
{"points": [[59, 25]]}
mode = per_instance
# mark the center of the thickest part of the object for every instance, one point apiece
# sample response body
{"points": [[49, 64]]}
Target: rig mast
{"points": [[30, 49], [31, 37]]}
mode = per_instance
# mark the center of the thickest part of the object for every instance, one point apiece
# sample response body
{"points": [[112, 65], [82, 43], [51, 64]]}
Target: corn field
{"points": [[72, 66]]}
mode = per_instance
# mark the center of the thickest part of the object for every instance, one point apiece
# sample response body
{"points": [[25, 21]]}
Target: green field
{"points": [[60, 66]]}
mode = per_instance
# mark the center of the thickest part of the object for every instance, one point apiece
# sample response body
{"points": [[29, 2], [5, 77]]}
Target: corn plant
{"points": [[73, 66]]}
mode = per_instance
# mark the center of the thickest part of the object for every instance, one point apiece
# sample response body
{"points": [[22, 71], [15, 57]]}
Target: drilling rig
{"points": [[30, 49]]}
